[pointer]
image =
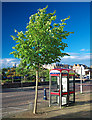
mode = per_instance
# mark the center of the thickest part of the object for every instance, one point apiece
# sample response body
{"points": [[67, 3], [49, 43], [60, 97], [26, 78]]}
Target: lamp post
{"points": [[81, 81]]}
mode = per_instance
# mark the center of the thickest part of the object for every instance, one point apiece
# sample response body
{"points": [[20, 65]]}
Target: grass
{"points": [[46, 80]]}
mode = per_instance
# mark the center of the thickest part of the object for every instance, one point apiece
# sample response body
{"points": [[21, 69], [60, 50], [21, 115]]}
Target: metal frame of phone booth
{"points": [[61, 87]]}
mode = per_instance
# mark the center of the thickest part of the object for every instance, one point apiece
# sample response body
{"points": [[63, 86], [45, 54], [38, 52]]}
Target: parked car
{"points": [[86, 77]]}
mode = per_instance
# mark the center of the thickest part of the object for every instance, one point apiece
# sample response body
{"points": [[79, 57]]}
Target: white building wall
{"points": [[78, 70]]}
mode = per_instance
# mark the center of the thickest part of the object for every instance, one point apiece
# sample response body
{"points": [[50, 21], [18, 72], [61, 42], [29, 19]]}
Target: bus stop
{"points": [[61, 87]]}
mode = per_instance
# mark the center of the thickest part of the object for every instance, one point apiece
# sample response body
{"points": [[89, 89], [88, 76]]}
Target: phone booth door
{"points": [[71, 86], [54, 86], [64, 87]]}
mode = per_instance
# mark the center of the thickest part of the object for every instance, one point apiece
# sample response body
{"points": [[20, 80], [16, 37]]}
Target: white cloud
{"points": [[84, 57], [77, 58], [9, 59], [70, 57], [84, 50], [73, 53], [74, 58], [8, 62]]}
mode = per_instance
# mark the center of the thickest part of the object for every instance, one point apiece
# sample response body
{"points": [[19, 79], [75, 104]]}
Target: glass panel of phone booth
{"points": [[64, 83], [71, 78], [55, 86], [55, 83], [71, 86], [54, 99]]}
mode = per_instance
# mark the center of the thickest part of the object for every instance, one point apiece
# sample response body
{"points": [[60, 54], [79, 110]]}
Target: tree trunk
{"points": [[12, 79], [24, 78], [36, 94]]}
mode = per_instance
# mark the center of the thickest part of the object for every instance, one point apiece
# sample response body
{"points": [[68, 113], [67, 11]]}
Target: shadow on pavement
{"points": [[77, 115], [83, 102]]}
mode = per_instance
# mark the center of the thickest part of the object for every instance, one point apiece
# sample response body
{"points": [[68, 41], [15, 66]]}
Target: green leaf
{"points": [[13, 47], [15, 30]]}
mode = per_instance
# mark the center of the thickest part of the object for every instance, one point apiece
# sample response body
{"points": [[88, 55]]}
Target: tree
{"points": [[21, 71], [11, 73], [4, 70], [44, 73], [41, 43]]}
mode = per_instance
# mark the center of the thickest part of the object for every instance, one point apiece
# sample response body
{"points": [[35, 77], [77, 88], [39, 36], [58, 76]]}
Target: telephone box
{"points": [[61, 87]]}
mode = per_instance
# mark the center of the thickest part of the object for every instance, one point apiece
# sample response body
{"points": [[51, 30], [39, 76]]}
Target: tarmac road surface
{"points": [[19, 99]]}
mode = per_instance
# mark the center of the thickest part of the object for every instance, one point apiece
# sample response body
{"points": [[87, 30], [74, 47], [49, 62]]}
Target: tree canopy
{"points": [[42, 42]]}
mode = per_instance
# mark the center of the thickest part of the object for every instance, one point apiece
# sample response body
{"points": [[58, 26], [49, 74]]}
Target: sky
{"points": [[15, 15]]}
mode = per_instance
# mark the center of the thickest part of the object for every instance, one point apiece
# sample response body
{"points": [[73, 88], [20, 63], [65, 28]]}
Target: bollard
{"points": [[45, 96]]}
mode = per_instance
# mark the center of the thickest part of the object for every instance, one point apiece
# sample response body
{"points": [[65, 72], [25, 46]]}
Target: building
{"points": [[82, 69], [65, 66], [49, 66], [57, 65]]}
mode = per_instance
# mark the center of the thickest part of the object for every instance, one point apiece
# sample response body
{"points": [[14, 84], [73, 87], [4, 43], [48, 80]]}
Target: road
{"points": [[22, 99], [19, 99]]}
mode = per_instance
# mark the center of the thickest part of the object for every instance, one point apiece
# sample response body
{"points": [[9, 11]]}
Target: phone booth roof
{"points": [[57, 71]]}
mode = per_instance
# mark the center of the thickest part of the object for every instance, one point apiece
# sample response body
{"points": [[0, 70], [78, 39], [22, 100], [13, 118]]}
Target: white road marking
{"points": [[9, 95], [15, 108], [10, 112], [4, 113]]}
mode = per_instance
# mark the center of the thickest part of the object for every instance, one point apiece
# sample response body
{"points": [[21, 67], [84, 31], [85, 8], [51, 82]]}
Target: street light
{"points": [[81, 81]]}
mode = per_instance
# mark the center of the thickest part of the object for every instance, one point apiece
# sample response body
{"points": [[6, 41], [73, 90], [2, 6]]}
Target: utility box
{"points": [[61, 87]]}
